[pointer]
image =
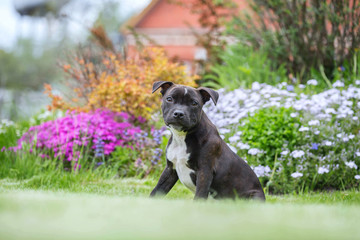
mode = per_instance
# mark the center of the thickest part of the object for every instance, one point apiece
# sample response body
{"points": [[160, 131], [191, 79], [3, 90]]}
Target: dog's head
{"points": [[182, 105]]}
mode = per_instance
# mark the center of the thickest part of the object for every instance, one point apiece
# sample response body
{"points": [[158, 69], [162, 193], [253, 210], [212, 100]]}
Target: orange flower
{"points": [[125, 85]]}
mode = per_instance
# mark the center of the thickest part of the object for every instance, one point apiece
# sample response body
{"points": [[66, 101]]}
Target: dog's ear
{"points": [[163, 85], [208, 93]]}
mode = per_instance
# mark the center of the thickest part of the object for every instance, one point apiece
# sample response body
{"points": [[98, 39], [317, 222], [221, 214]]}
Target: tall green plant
{"points": [[241, 66], [303, 34]]}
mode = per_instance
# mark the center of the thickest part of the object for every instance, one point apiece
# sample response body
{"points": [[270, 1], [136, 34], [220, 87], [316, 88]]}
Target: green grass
{"points": [[126, 187], [121, 209]]}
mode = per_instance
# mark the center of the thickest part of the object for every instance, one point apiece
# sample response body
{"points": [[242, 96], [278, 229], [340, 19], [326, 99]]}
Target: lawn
{"points": [[120, 209]]}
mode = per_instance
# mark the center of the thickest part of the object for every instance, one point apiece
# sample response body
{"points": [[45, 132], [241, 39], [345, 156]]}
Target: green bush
{"points": [[271, 129], [301, 154]]}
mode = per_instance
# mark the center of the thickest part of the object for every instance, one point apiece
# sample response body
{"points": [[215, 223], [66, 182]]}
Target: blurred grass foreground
{"points": [[127, 213]]}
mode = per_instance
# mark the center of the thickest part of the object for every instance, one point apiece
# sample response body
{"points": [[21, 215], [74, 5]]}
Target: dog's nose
{"points": [[179, 114]]}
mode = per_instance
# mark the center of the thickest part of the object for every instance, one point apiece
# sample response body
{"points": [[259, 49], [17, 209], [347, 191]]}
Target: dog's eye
{"points": [[169, 99], [194, 103]]}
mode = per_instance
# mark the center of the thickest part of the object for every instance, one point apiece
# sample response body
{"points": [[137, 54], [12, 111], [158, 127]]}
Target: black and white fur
{"points": [[196, 154]]}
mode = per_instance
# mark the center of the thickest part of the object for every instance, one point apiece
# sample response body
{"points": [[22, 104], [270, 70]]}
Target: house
{"points": [[168, 25]]}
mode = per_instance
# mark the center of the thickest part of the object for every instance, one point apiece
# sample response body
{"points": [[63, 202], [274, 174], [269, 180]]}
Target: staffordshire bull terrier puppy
{"points": [[196, 154]]}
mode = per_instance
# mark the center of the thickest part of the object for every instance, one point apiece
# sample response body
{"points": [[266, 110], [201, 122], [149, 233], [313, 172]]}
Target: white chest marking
{"points": [[176, 153], [186, 91]]}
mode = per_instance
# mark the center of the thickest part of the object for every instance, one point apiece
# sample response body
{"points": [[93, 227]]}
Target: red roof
{"points": [[168, 25]]}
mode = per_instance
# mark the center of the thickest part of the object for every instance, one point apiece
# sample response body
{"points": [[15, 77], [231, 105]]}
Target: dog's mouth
{"points": [[178, 127]]}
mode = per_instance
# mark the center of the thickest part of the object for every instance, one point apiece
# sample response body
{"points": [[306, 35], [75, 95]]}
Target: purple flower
{"points": [[77, 166], [156, 156], [99, 148], [314, 146], [341, 68], [290, 88], [141, 119]]}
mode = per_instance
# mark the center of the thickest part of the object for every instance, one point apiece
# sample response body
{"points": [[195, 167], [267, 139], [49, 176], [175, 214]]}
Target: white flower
{"points": [[301, 86], [351, 136], [357, 82], [224, 130], [296, 175], [314, 123], [345, 139], [254, 151], [357, 177], [262, 171], [357, 154], [316, 132], [234, 138], [312, 82], [294, 114], [355, 118], [348, 103], [286, 152], [166, 133], [338, 83], [303, 129], [328, 143], [351, 164], [330, 110], [232, 148], [339, 135], [7, 123], [255, 86], [243, 146], [297, 153], [323, 170], [44, 115]]}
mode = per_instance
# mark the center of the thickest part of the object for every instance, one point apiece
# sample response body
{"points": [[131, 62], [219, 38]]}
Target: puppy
{"points": [[196, 154]]}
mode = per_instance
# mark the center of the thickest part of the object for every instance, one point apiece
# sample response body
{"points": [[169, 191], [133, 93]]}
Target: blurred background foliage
{"points": [[270, 42], [305, 36], [34, 60]]}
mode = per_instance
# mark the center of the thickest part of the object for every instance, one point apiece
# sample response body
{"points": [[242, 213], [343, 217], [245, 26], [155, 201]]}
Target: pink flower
{"points": [[66, 136], [77, 166]]}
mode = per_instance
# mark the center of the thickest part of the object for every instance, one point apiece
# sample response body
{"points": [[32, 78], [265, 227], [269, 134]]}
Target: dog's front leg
{"points": [[167, 180], [204, 178]]}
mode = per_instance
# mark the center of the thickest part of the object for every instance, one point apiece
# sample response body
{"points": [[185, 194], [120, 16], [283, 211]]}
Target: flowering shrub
{"points": [[121, 85], [85, 136], [322, 150], [65, 136], [144, 157]]}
